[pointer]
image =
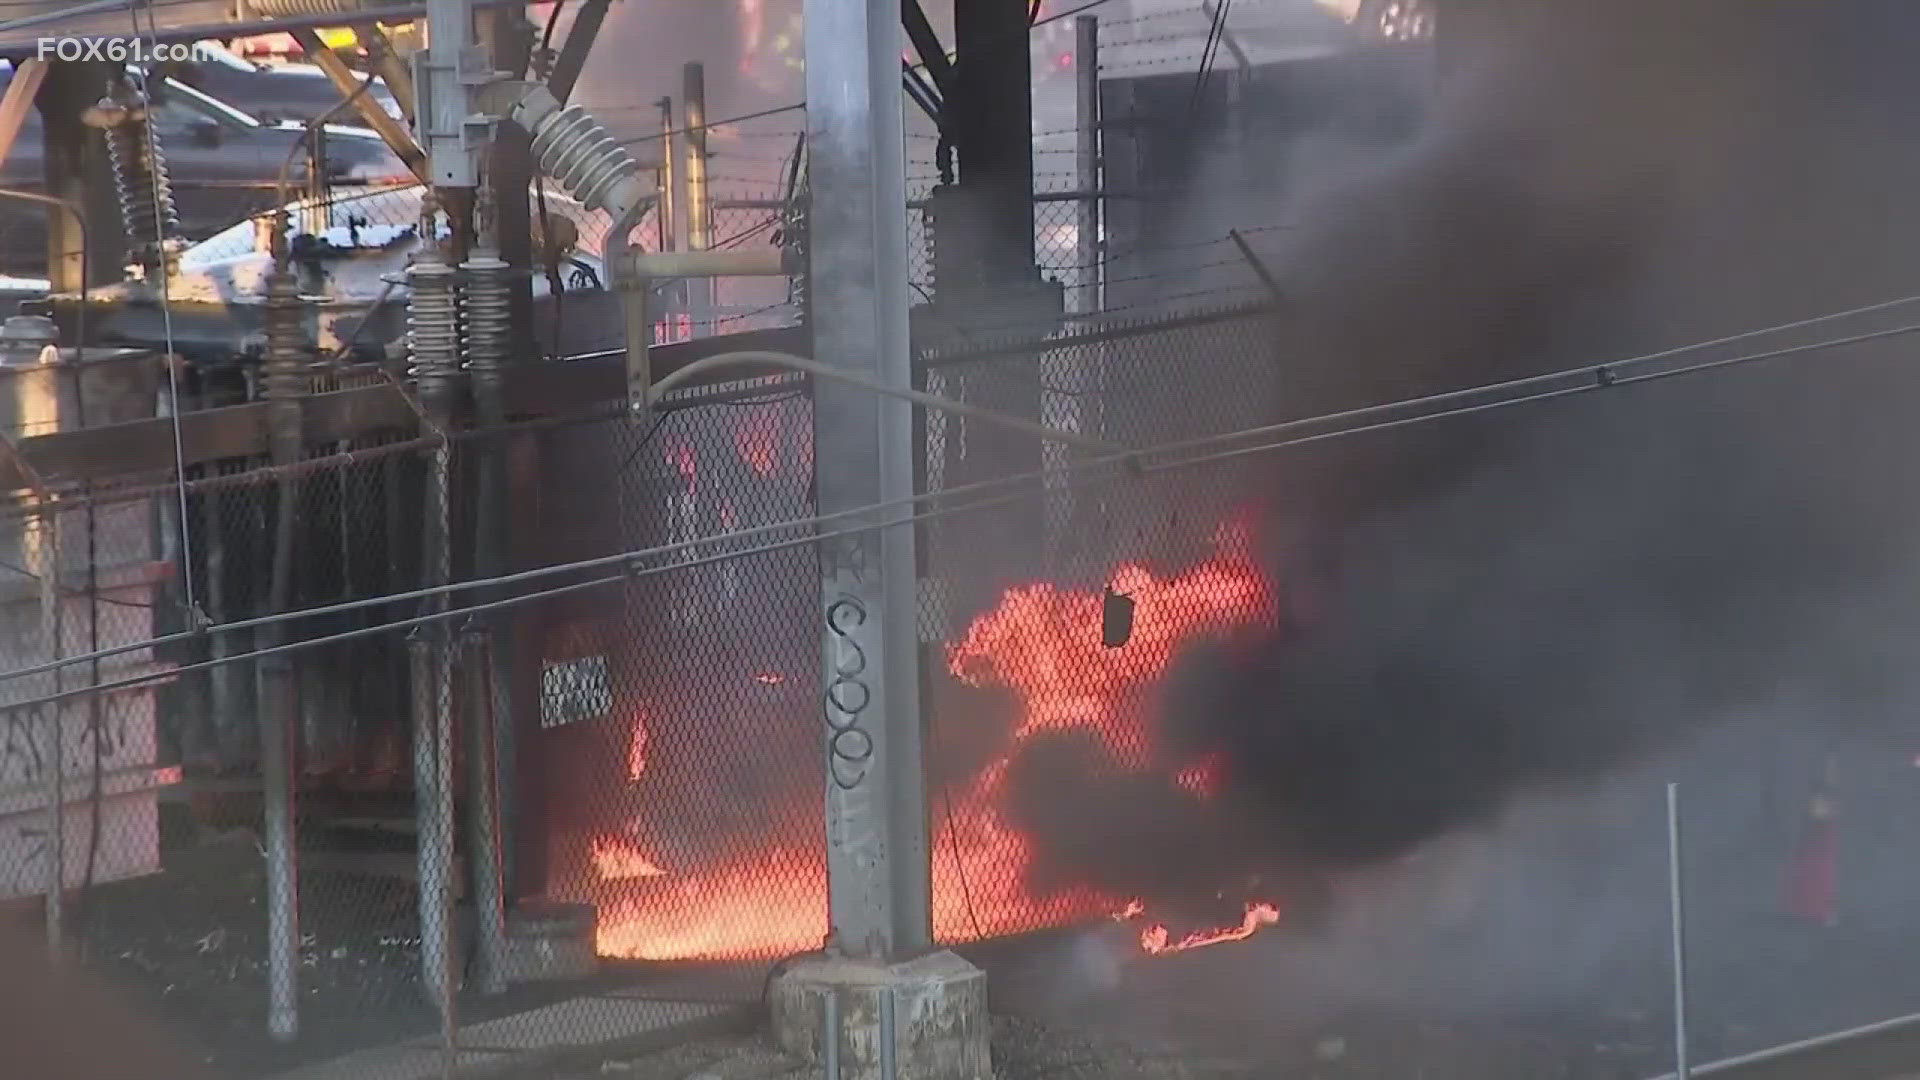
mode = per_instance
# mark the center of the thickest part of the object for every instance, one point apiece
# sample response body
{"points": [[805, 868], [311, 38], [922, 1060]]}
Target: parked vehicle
{"points": [[223, 161], [272, 92]]}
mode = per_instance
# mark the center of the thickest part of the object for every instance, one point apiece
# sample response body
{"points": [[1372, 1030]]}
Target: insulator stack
{"points": [[574, 149], [284, 372], [433, 328], [794, 239], [287, 9], [140, 178], [486, 315]]}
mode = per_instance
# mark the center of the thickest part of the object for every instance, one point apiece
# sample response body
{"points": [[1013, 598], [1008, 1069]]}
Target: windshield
{"points": [[183, 102]]}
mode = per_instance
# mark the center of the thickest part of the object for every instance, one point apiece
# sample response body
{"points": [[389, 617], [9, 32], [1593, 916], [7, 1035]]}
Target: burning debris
{"points": [[997, 868], [1498, 602]]}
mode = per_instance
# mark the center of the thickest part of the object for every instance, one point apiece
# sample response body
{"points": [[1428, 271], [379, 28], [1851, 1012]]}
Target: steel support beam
{"points": [[441, 81], [347, 82], [992, 108], [78, 172], [573, 54], [878, 873], [21, 90]]}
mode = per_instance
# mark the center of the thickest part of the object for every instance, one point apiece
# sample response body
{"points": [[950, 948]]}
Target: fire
{"points": [[1156, 941], [1042, 642], [685, 460], [757, 438], [1201, 778], [637, 749], [618, 860]]}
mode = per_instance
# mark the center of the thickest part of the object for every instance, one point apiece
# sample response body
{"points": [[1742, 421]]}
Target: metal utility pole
{"points": [[78, 171], [455, 136], [878, 873], [992, 110], [665, 214], [1086, 75], [699, 203]]}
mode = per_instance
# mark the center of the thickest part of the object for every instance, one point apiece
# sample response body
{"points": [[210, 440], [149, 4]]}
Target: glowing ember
{"points": [[618, 860], [757, 438], [1202, 778], [1155, 939], [1042, 642], [684, 458], [637, 750]]}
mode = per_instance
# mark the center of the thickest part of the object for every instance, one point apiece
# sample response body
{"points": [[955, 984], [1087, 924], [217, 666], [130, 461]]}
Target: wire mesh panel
{"points": [[691, 811], [661, 774], [1034, 690]]}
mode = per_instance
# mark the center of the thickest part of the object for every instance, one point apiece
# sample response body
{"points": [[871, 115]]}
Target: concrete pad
{"points": [[583, 1031], [550, 942], [394, 1063], [592, 1021], [939, 1016]]}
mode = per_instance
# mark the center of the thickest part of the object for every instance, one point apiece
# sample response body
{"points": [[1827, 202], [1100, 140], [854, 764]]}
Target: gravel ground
{"points": [[187, 944], [1022, 1050]]}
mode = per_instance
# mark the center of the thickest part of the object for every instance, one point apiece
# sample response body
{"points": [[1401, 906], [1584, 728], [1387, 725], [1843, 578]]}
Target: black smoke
{"points": [[1557, 591]]}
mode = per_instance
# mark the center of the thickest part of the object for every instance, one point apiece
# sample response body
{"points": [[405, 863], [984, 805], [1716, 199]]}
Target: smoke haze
{"points": [[1553, 593]]}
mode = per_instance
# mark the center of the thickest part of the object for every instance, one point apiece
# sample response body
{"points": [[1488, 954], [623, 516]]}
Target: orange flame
{"points": [[637, 749], [1043, 643], [618, 860], [757, 438], [1155, 939], [683, 457]]}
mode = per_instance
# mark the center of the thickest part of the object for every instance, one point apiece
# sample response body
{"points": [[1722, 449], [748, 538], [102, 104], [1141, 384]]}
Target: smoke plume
{"points": [[1556, 591]]}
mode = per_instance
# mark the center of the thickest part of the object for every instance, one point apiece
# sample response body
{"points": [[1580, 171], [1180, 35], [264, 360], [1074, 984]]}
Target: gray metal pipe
{"points": [[483, 813], [432, 779], [889, 1032], [46, 564], [1676, 901], [286, 382], [700, 293], [669, 180], [707, 264], [1086, 34], [830, 1034]]}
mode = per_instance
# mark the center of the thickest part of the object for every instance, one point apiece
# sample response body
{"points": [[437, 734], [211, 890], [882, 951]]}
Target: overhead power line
{"points": [[1161, 458], [764, 113]]}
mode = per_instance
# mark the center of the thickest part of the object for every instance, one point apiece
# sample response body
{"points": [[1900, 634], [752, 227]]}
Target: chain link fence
{"points": [[663, 763]]}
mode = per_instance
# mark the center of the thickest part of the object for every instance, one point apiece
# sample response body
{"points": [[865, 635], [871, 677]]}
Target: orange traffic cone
{"points": [[1812, 881]]}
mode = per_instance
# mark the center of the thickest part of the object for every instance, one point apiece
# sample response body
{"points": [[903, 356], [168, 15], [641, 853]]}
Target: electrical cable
{"points": [[1357, 421], [764, 113], [953, 839], [979, 486], [553, 21], [1209, 55], [166, 320], [1587, 378]]}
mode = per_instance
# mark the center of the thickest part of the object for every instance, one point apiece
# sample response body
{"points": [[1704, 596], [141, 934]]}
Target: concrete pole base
{"points": [[940, 1025]]}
